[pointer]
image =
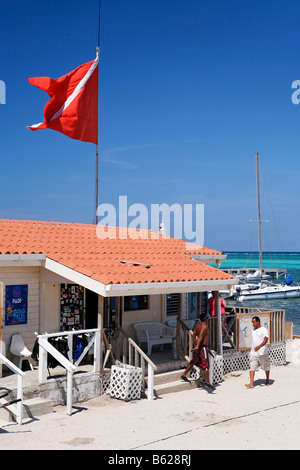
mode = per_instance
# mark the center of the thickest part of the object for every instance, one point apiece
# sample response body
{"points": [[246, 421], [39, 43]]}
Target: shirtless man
{"points": [[200, 351]]}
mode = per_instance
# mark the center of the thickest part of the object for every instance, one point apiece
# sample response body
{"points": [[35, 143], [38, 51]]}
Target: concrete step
{"points": [[37, 407], [170, 366], [166, 377], [170, 382], [32, 408], [174, 386]]}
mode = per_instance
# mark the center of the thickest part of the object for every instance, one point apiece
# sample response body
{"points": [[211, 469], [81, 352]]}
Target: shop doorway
{"points": [[91, 310], [112, 315], [78, 308]]}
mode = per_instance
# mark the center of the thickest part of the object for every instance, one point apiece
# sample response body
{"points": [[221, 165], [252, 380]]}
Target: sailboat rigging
{"points": [[265, 290]]}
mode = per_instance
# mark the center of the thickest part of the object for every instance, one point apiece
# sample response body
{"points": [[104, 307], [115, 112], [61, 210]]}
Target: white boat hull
{"points": [[272, 292], [233, 291]]}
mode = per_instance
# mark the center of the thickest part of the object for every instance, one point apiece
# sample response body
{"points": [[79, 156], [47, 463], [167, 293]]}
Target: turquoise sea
{"points": [[289, 261]]}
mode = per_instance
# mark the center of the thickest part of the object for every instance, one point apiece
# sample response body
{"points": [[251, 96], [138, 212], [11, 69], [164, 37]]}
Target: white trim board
{"points": [[114, 290]]}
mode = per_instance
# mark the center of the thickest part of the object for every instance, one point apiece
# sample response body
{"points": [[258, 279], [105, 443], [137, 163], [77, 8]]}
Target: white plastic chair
{"points": [[20, 351]]}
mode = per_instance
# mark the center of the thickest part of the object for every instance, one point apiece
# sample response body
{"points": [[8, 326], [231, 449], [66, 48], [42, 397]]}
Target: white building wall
{"points": [[39, 281], [154, 313], [19, 276]]}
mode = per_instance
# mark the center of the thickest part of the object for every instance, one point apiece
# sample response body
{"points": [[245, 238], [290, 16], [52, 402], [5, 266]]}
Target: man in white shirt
{"points": [[259, 354]]}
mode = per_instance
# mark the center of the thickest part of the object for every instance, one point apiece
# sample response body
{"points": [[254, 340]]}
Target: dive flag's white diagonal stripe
{"points": [[75, 93], [77, 90], [37, 125]]}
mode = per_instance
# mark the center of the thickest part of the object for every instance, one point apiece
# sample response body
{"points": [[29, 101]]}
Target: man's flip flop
{"points": [[184, 378], [211, 387], [249, 386]]}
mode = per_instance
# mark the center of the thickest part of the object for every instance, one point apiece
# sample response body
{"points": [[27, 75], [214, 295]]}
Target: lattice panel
{"points": [[278, 354], [216, 371], [239, 360], [105, 383], [125, 382], [195, 374]]}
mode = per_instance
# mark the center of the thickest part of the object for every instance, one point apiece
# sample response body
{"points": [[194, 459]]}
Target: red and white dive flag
{"points": [[73, 108]]}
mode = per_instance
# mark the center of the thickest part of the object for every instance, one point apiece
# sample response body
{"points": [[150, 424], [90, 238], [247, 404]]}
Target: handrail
{"points": [[182, 348], [57, 355], [140, 357], [141, 352], [18, 411], [45, 347], [108, 351]]}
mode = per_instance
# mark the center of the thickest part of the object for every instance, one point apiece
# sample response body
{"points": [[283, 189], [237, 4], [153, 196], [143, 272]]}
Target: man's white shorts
{"points": [[260, 361]]}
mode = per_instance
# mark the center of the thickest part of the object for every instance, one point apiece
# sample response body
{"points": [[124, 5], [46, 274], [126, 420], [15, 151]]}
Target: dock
{"points": [[274, 273]]}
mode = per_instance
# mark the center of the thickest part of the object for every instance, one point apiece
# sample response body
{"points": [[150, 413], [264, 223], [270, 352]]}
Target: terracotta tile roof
{"points": [[124, 259], [193, 249]]}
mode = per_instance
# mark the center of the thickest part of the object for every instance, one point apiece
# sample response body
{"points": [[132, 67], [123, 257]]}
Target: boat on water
{"points": [[256, 276], [238, 288], [268, 291], [264, 289]]}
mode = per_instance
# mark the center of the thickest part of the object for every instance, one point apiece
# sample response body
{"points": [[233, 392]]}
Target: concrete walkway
{"points": [[232, 417]]}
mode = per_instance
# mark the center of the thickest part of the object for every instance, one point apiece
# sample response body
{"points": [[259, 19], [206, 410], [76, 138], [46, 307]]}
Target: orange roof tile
{"points": [[120, 260], [193, 249]]}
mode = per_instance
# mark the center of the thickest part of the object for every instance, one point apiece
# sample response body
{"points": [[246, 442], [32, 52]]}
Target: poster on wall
{"points": [[71, 306], [245, 329], [16, 305]]}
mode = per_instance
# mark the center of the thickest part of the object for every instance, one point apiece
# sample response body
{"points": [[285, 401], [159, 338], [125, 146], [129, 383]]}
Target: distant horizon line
{"points": [[248, 251]]}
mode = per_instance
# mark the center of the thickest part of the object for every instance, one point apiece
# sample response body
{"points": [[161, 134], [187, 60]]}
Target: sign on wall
{"points": [[245, 328], [16, 305], [71, 306]]}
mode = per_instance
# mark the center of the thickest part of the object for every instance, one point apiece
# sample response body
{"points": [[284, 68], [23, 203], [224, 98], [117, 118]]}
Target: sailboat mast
{"points": [[258, 213], [97, 148]]}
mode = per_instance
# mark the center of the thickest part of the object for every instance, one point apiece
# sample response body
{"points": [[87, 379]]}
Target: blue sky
{"points": [[189, 91]]}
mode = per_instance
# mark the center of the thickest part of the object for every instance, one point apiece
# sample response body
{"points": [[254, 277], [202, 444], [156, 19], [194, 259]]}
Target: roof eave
{"points": [[208, 259], [24, 259], [114, 290]]}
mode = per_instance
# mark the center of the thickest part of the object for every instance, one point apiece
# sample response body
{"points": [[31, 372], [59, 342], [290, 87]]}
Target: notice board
{"points": [[16, 305], [245, 328]]}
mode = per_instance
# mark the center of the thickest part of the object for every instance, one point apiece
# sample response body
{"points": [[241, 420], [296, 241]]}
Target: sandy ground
{"points": [[232, 418]]}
